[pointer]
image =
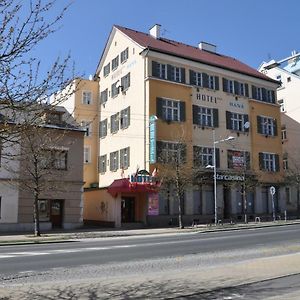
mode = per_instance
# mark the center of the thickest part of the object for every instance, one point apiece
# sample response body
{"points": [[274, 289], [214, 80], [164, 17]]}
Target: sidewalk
{"points": [[65, 236]]}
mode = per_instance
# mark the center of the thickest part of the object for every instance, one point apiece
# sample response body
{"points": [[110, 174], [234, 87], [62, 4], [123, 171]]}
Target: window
{"points": [[86, 97], [283, 133], [269, 162], [44, 210], [124, 55], [159, 70], [242, 89], [87, 126], [114, 161], [102, 163], [266, 126], [211, 82], [270, 96], [204, 116], [263, 94], [169, 72], [125, 82], [288, 195], [114, 123], [106, 70], [168, 152], [124, 158], [125, 118], [289, 79], [204, 156], [238, 159], [114, 89], [54, 117], [230, 86], [55, 159], [204, 80], [285, 161], [103, 128], [177, 74], [281, 103], [235, 87], [235, 121], [170, 110], [115, 63], [87, 155], [103, 96], [258, 95], [278, 77], [199, 79]]}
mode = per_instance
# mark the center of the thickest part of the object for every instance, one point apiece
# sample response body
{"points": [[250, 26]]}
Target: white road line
{"points": [[6, 256]]}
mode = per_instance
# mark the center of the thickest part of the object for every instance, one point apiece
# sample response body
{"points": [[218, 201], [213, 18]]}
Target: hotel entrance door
{"points": [[127, 209]]}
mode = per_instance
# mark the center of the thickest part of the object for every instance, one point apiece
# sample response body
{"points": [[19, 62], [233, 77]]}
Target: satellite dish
{"points": [[247, 125]]}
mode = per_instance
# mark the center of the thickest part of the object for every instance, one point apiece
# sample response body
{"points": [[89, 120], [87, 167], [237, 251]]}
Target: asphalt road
{"points": [[169, 258]]}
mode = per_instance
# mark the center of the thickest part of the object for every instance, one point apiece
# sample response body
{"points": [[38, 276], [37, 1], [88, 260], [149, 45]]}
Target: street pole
{"points": [[215, 178]]}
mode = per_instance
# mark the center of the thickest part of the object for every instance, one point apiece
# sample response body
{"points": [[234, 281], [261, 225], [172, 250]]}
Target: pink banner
{"points": [[153, 204]]}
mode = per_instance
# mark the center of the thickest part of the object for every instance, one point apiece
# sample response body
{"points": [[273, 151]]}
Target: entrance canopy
{"points": [[125, 186]]}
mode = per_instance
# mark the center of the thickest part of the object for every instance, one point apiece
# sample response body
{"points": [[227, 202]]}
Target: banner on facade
{"points": [[153, 204], [152, 139]]}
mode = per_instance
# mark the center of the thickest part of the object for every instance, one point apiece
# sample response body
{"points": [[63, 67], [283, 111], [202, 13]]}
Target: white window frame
{"points": [[87, 125], [259, 93], [114, 89], [205, 116], [162, 70], [115, 63], [124, 118], [177, 74], [206, 156], [114, 161], [269, 163], [125, 81], [114, 123], [87, 97], [124, 55], [87, 155], [230, 86], [211, 82], [267, 126], [102, 164], [283, 134], [237, 121], [171, 110], [242, 89], [170, 150], [270, 96], [106, 70], [281, 103], [125, 152], [103, 128], [104, 96]]}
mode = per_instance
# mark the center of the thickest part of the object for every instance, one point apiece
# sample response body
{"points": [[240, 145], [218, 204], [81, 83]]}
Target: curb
{"points": [[78, 237]]}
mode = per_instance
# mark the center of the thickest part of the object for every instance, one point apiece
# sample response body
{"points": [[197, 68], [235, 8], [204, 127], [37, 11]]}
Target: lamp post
{"points": [[230, 138]]}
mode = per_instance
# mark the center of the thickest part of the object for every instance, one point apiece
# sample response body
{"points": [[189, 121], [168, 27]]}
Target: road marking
{"points": [[6, 256]]}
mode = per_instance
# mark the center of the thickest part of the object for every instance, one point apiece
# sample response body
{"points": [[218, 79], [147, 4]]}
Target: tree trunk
{"points": [[245, 204], [36, 215], [178, 190]]}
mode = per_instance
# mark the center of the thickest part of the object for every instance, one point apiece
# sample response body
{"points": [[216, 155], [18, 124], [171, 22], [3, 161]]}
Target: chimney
{"points": [[207, 47], [155, 31]]}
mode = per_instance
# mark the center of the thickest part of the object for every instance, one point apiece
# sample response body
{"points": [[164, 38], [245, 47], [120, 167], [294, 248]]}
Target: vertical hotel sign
{"points": [[152, 139]]}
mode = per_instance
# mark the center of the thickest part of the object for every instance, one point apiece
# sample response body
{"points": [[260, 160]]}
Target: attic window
{"points": [[289, 79], [54, 118]]}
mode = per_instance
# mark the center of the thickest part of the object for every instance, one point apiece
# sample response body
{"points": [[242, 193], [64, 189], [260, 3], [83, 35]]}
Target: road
{"points": [[216, 265]]}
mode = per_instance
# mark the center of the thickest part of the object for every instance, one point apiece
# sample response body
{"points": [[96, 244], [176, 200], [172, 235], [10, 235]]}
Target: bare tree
{"points": [[23, 25]]}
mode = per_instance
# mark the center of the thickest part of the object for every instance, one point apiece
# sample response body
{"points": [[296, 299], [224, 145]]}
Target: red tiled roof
{"points": [[192, 53]]}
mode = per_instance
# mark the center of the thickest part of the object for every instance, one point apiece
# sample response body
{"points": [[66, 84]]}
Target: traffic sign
{"points": [[272, 190]]}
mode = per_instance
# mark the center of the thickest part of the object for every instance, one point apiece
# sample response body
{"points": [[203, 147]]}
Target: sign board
{"points": [[153, 207], [152, 139], [272, 190]]}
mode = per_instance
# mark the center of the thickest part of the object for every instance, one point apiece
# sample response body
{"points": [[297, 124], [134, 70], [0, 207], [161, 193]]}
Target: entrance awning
{"points": [[125, 186]]}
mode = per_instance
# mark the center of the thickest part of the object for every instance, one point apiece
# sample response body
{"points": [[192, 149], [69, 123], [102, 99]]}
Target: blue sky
{"points": [[249, 30]]}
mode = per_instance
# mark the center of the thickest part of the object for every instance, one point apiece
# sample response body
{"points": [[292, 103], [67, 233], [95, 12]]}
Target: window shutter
{"points": [[128, 114], [170, 72], [122, 158], [259, 124], [183, 153], [159, 146], [225, 85], [117, 164], [159, 108], [117, 121], [229, 159], [277, 166], [275, 127], [217, 83], [253, 92], [246, 119], [264, 94], [128, 156], [246, 90], [100, 130], [228, 120], [247, 160], [218, 157], [192, 77], [182, 111], [182, 70], [110, 162], [205, 80], [195, 115], [273, 96], [215, 117], [261, 160], [155, 72], [236, 88]]}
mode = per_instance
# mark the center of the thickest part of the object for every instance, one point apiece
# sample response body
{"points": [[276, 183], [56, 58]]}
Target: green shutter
{"points": [[229, 159], [253, 92], [195, 115], [155, 72], [236, 88], [182, 111], [264, 94], [261, 160], [217, 83], [205, 80], [159, 112], [218, 157], [273, 96], [225, 85], [277, 165], [228, 120], [275, 127], [170, 72], [215, 117], [182, 70], [259, 124], [246, 90], [192, 77]]}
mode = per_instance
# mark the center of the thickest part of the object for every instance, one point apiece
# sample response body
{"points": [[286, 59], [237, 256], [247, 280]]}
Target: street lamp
{"points": [[230, 138]]}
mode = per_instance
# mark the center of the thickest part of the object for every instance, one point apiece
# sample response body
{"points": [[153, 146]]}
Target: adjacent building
{"points": [[47, 152], [162, 100], [287, 71]]}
